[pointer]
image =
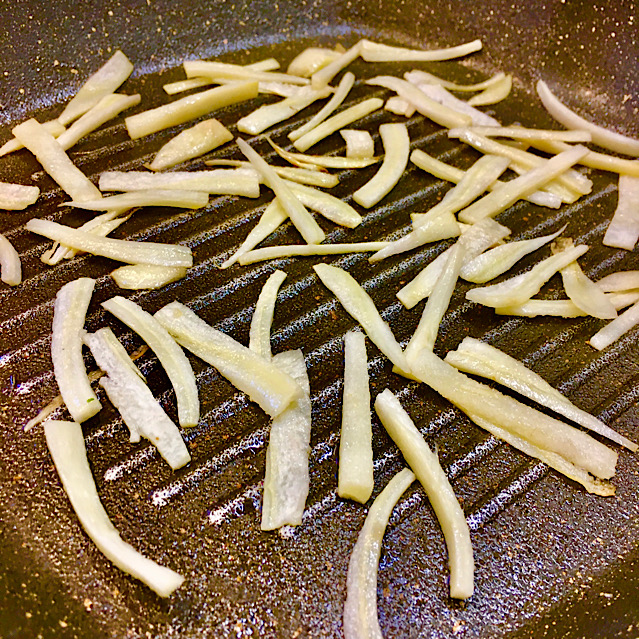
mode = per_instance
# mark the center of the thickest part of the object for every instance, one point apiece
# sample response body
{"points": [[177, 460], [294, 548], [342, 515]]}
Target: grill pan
{"points": [[552, 561]]}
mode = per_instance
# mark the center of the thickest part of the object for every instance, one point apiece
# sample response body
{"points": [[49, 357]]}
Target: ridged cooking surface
{"points": [[540, 540]]}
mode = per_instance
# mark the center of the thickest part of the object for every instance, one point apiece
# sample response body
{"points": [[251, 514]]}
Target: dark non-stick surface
{"points": [[551, 560]]}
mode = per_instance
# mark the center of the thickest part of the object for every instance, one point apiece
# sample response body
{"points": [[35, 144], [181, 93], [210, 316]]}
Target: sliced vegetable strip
{"points": [[138, 276], [623, 230], [286, 480], [52, 126], [140, 411], [418, 76], [355, 476], [359, 144], [613, 331], [171, 356], [236, 72], [480, 358], [71, 304], [425, 464], [325, 161], [179, 198], [376, 52], [262, 381], [521, 133], [260, 331], [10, 265], [311, 59], [619, 281], [564, 308], [66, 445], [495, 93], [331, 207], [16, 197], [288, 250], [360, 609], [324, 75]]}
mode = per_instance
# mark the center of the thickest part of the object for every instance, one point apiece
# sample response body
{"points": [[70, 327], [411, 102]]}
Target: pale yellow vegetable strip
{"points": [[425, 464], [360, 610], [479, 237], [241, 181], [71, 304], [322, 77], [479, 358], [594, 159], [375, 52], [310, 60], [623, 230], [563, 308], [16, 197], [503, 197], [106, 109], [422, 77], [260, 330], [396, 150], [449, 173], [179, 198], [236, 72], [191, 143], [289, 250], [361, 307], [326, 161], [301, 218], [438, 301], [128, 251], [399, 106], [66, 445], [267, 115], [343, 89], [530, 135], [146, 276], [603, 137], [52, 126], [439, 226], [582, 290], [286, 477], [428, 107], [355, 473], [500, 259], [493, 94], [262, 381], [103, 82], [186, 85], [55, 161], [620, 281], [273, 216], [522, 287], [359, 144], [170, 355], [541, 430], [615, 329], [10, 265], [337, 122], [188, 108], [331, 207]]}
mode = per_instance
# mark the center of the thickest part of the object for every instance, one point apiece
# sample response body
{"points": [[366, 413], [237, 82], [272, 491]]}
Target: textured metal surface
{"points": [[551, 560]]}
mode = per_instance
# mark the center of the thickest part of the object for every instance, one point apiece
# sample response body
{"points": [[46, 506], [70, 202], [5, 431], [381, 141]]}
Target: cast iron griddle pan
{"points": [[552, 560]]}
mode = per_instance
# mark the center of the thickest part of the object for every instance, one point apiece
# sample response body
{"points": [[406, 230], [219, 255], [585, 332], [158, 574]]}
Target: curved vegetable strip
{"points": [[103, 82], [16, 197], [171, 356], [310, 60], [422, 77], [545, 432], [260, 331], [67, 448], [530, 135], [442, 96], [503, 197], [619, 281], [360, 609], [121, 250], [286, 479], [623, 230], [327, 205], [449, 173], [396, 149], [343, 89], [52, 126], [288, 250], [262, 381], [361, 307], [191, 143], [522, 287], [425, 464], [55, 161], [479, 358], [613, 331], [355, 476], [324, 75], [582, 290], [495, 93], [399, 106], [438, 113], [71, 304], [564, 308], [10, 265], [359, 144], [188, 108], [326, 161], [186, 85], [337, 122], [498, 260], [301, 218], [146, 276], [179, 198], [375, 52], [602, 137], [140, 411], [236, 72]]}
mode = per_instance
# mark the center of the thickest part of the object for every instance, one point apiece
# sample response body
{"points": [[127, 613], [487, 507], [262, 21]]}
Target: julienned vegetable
{"points": [[623, 230], [260, 331], [16, 197], [613, 331], [138, 276], [10, 265]]}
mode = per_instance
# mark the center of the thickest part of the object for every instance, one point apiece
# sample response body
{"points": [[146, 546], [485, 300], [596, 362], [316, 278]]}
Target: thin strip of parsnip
{"points": [[355, 472], [619, 281], [10, 265], [324, 75], [289, 250], [615, 329], [327, 205], [66, 445], [532, 135], [325, 161], [236, 72], [376, 52], [16, 197], [122, 202], [359, 144], [417, 76], [146, 276], [425, 464], [493, 94], [564, 308], [260, 330], [54, 127], [623, 230], [310, 60]]}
